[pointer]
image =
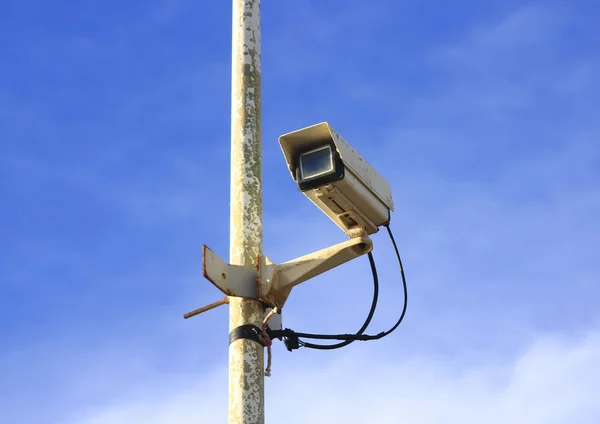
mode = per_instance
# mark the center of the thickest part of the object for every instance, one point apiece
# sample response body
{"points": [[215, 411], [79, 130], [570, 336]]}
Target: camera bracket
{"points": [[271, 283]]}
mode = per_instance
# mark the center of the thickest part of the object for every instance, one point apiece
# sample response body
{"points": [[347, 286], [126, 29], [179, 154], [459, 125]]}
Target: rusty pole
{"points": [[246, 370]]}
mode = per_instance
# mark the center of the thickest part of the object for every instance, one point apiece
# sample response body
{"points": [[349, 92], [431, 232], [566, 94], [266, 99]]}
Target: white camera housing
{"points": [[337, 179]]}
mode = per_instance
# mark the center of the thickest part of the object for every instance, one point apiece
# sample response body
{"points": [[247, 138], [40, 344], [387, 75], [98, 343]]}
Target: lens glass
{"points": [[316, 162]]}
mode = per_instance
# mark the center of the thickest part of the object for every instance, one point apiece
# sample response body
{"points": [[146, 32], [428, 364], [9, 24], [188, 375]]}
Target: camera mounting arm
{"points": [[277, 281], [273, 283]]}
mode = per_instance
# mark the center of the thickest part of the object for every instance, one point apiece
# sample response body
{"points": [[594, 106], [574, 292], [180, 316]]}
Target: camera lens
{"points": [[316, 162]]}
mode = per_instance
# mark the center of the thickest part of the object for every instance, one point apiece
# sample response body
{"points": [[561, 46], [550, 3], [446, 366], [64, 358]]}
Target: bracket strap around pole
{"points": [[248, 331]]}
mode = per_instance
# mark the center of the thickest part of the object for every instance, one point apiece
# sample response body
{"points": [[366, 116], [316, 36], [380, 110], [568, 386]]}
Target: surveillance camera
{"points": [[337, 179]]}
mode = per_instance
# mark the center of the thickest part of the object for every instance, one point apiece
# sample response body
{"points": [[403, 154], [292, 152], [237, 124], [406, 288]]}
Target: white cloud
{"points": [[555, 380]]}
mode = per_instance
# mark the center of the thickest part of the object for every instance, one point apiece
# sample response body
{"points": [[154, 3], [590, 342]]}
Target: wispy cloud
{"points": [[554, 380]]}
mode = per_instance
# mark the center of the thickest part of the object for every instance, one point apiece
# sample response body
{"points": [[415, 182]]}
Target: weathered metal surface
{"points": [[353, 220], [362, 169], [290, 274], [233, 280], [271, 283], [360, 202], [315, 135], [266, 274], [246, 378]]}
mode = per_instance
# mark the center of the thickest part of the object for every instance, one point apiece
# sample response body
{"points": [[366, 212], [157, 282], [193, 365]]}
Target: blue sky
{"points": [[114, 170]]}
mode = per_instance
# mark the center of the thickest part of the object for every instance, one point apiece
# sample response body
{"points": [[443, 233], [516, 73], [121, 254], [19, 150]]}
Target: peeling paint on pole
{"points": [[246, 375]]}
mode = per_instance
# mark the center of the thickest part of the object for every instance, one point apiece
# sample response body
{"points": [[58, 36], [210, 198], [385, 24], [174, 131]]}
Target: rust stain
{"points": [[204, 274], [206, 308]]}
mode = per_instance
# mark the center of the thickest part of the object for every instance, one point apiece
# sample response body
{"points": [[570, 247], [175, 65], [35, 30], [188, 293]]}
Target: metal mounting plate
{"points": [[233, 280]]}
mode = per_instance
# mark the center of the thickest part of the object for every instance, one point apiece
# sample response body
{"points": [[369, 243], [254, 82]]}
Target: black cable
{"points": [[361, 330], [349, 338], [404, 286]]}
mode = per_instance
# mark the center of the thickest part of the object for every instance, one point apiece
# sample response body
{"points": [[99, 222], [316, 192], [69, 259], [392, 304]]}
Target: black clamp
{"points": [[248, 331], [290, 339]]}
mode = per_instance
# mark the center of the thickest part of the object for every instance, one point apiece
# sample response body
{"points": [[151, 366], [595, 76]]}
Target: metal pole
{"points": [[246, 370]]}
